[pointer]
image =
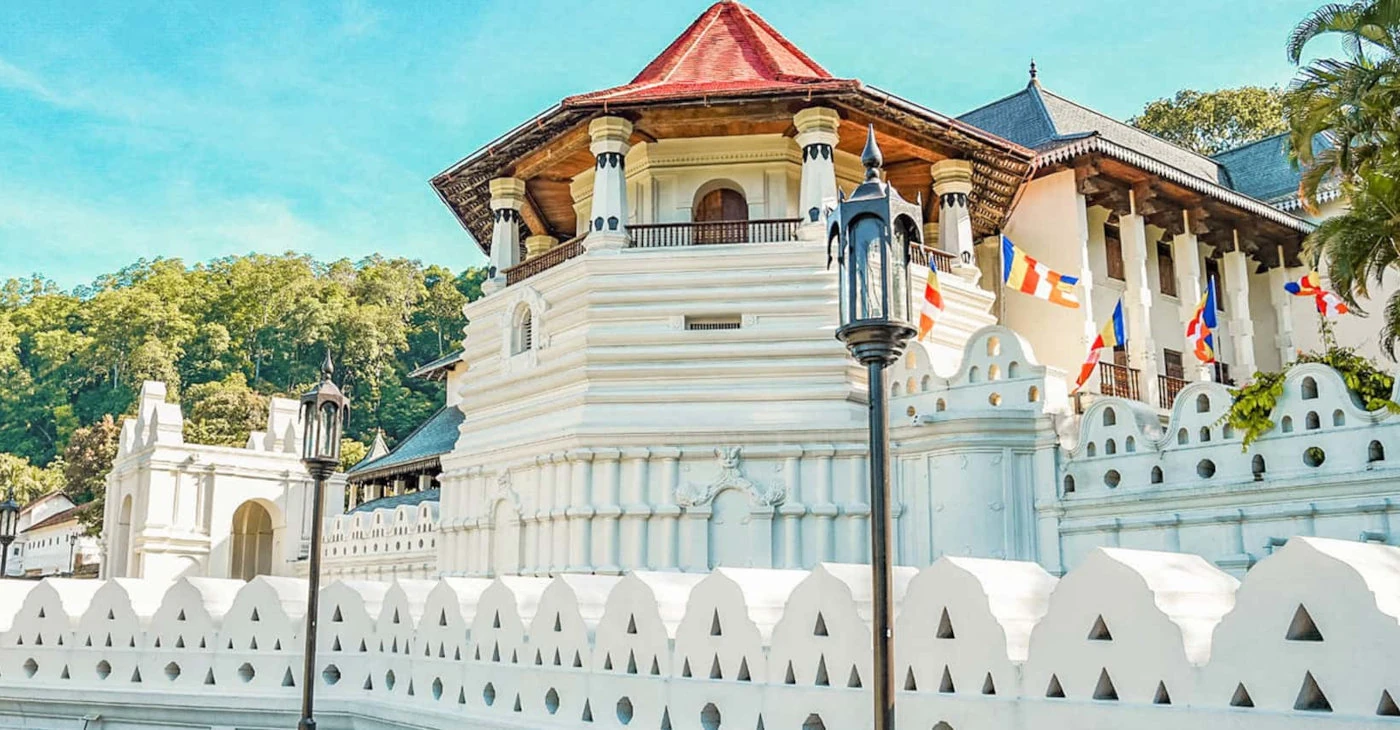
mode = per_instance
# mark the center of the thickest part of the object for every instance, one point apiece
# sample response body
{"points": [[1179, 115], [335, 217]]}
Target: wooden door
{"points": [[721, 214]]}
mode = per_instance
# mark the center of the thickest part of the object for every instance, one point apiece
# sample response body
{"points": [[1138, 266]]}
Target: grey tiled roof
{"points": [[1037, 118], [431, 369], [435, 437], [1263, 169], [411, 499]]}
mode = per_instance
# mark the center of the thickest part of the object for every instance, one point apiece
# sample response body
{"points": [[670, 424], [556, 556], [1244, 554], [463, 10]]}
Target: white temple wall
{"points": [[1130, 639]]}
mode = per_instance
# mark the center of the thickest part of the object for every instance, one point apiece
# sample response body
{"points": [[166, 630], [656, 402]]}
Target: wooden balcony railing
{"points": [[1167, 388], [922, 255], [545, 261], [1119, 380], [662, 235]]}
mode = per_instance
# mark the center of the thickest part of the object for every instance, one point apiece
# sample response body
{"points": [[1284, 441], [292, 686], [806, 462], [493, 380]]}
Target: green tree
{"points": [[88, 457], [1351, 103], [29, 481], [223, 412], [352, 452], [1213, 121]]}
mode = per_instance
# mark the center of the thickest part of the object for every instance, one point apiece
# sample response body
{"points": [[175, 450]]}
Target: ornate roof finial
{"points": [[1034, 74], [327, 367], [871, 157]]}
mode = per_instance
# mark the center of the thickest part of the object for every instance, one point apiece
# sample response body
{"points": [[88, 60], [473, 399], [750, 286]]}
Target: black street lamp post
{"points": [[9, 521], [324, 410], [869, 234]]}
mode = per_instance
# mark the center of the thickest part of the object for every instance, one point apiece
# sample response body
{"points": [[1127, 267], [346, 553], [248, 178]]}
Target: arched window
{"points": [[1110, 447], [1339, 418], [1069, 484], [1156, 475], [1313, 422], [717, 207], [523, 337], [1109, 417], [1182, 438], [1309, 388], [1256, 467], [251, 538], [1375, 452], [1202, 403]]}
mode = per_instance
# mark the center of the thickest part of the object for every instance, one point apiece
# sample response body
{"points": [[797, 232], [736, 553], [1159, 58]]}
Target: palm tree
{"points": [[1344, 129]]}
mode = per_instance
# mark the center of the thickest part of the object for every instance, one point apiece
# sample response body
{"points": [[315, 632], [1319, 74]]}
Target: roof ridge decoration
{"points": [[728, 49]]}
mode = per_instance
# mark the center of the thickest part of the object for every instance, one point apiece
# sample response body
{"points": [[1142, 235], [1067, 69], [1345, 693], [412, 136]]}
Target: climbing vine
{"points": [[1254, 403]]}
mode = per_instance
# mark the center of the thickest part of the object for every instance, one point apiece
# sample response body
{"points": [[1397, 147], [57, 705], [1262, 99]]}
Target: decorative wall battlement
{"points": [[382, 544], [1129, 638]]}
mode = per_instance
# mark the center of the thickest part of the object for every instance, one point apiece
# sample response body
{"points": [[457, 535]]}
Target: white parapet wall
{"points": [[1128, 639]]}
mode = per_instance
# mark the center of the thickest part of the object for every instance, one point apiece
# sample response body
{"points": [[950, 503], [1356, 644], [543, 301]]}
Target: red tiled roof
{"points": [[727, 51]]}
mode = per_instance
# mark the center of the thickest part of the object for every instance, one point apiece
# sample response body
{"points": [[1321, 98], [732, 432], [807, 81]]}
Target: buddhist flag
{"points": [[933, 302], [1200, 331], [1311, 286], [1028, 276], [1112, 335]]}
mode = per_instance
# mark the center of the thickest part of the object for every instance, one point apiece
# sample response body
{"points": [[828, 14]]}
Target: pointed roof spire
{"points": [[871, 157], [728, 50], [1035, 74], [327, 367]]}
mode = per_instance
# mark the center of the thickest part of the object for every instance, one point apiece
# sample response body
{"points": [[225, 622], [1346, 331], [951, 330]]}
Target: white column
{"points": [[635, 511], [818, 542], [606, 511], [952, 181], [856, 511], [790, 512], [661, 528], [1236, 272], [1137, 305], [1086, 273], [507, 198], [816, 135], [1186, 254], [1283, 313], [544, 498], [607, 223], [559, 515], [580, 511]]}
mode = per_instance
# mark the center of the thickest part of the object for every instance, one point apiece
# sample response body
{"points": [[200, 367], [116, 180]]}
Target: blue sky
{"points": [[198, 129]]}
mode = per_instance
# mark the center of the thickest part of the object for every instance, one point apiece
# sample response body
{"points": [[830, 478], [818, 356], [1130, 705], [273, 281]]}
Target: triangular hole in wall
{"points": [[513, 657], [201, 643], [578, 661], [442, 650], [1241, 697], [631, 624], [136, 674], [253, 644], [945, 684], [41, 613], [822, 679], [715, 672], [255, 615], [496, 620], [157, 644], [131, 642], [989, 687], [539, 658], [38, 639], [111, 616], [714, 625], [289, 681], [558, 660], [516, 707], [87, 642], [64, 673], [1387, 707], [456, 653], [909, 684], [369, 683], [655, 668], [496, 653], [442, 618], [209, 677], [364, 649], [335, 644], [1161, 697], [853, 681], [558, 627], [665, 718], [587, 711], [1099, 631], [1310, 696], [1302, 628], [230, 643], [179, 642], [945, 626], [790, 678], [685, 668], [476, 656], [428, 650], [461, 696], [181, 616], [1105, 690], [820, 629], [1054, 690], [607, 662], [411, 693], [743, 675], [396, 620], [631, 662], [336, 617], [109, 641]]}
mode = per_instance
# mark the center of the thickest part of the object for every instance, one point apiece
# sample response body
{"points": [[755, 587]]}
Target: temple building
{"points": [[651, 380]]}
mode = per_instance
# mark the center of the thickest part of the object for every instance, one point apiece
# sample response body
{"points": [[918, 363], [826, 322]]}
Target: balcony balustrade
{"points": [[1119, 381], [545, 261], [665, 235], [1168, 387], [922, 255]]}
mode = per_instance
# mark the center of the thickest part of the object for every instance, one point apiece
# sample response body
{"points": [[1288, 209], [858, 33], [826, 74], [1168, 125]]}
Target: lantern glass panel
{"points": [[899, 276], [842, 280], [868, 238], [308, 438], [329, 432]]}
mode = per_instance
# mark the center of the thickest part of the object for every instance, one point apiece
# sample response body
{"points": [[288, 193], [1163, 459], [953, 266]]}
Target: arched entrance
{"points": [[120, 550], [724, 214], [251, 537]]}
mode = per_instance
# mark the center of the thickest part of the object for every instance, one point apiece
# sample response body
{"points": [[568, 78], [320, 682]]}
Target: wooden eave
{"points": [[551, 149], [1170, 199]]}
